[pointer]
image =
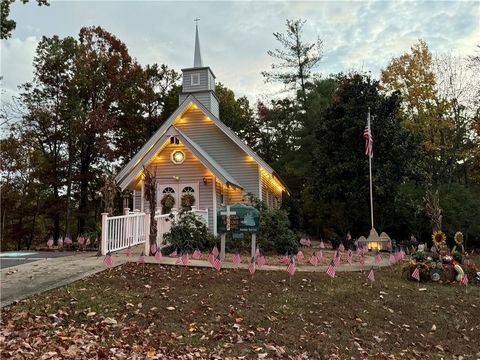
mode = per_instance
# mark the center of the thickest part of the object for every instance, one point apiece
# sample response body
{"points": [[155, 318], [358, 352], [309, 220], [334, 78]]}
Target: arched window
{"points": [[188, 190], [168, 190]]}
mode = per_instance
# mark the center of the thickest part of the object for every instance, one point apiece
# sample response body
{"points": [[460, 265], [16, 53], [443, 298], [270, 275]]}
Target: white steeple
{"points": [[197, 59]]}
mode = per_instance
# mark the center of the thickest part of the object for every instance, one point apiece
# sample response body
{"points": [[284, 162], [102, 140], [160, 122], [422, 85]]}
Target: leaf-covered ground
{"points": [[154, 311]]}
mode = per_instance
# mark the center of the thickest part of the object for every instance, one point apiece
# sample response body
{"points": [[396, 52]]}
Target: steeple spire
{"points": [[197, 59]]}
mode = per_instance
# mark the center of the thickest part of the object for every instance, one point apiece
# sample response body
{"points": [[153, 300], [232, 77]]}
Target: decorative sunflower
{"points": [[458, 238], [439, 238]]}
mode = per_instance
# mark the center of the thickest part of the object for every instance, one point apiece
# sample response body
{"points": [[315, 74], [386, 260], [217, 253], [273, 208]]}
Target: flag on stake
{"points": [[300, 255], [50, 242], [371, 275], [210, 258], [341, 247], [331, 269], [313, 260], [173, 253], [107, 260], [362, 260], [67, 240], [129, 252], [416, 274], [141, 258], [215, 251], [464, 280], [185, 258], [392, 259], [349, 257], [322, 245], [197, 254], [251, 266], [158, 255], [60, 242], [237, 259], [285, 259], [433, 249], [358, 251], [153, 248], [217, 263], [319, 254], [87, 241], [257, 252], [80, 240], [179, 260], [261, 261], [337, 259], [291, 266], [378, 258]]}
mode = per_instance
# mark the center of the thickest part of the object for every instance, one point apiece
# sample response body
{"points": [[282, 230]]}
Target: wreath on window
{"points": [[168, 202], [188, 200]]}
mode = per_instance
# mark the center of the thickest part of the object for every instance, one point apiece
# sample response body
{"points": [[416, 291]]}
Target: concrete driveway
{"points": [[13, 258]]}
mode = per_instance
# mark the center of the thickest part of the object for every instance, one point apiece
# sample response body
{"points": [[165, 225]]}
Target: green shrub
{"points": [[188, 233], [274, 235], [419, 256]]}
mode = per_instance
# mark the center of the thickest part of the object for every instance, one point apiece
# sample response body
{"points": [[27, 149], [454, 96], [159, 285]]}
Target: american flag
{"points": [[50, 242], [433, 249], [141, 258], [378, 258], [129, 252], [349, 257], [371, 275], [331, 269], [398, 256], [416, 274], [337, 258], [67, 240], [303, 241], [322, 245], [300, 255], [210, 258], [107, 260], [173, 253], [313, 260], [286, 259], [464, 280], [319, 254], [185, 258], [158, 255], [197, 254], [358, 251], [257, 252], [217, 263], [367, 135], [237, 259], [341, 247], [362, 260], [251, 266], [81, 240], [178, 261], [402, 254], [153, 248], [291, 266], [60, 242], [87, 241], [261, 261], [215, 251], [392, 259], [308, 243]]}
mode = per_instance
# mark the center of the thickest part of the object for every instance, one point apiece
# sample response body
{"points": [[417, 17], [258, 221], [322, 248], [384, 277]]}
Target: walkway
{"points": [[19, 282]]}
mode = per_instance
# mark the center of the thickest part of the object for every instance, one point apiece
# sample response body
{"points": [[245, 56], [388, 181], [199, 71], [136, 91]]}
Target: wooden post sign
{"points": [[237, 220]]}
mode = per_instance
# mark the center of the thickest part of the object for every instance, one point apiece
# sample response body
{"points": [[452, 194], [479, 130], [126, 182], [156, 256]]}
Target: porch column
{"points": [[103, 237]]}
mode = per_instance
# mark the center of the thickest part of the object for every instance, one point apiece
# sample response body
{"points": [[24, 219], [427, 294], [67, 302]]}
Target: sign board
{"points": [[238, 219]]}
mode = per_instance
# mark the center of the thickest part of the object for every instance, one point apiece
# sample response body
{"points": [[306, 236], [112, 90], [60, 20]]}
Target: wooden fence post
{"points": [[103, 238]]}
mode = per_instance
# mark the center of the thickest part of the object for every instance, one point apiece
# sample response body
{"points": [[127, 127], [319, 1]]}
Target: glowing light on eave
{"points": [[272, 180]]}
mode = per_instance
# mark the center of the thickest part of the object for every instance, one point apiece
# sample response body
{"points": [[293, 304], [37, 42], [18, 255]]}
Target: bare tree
{"points": [[151, 196]]}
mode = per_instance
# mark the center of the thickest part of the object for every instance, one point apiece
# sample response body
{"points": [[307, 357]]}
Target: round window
{"points": [[178, 157]]}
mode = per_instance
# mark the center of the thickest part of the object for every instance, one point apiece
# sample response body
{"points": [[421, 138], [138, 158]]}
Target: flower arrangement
{"points": [[458, 248]]}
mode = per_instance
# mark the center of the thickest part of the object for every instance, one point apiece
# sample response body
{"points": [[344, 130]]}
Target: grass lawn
{"points": [[154, 311]]}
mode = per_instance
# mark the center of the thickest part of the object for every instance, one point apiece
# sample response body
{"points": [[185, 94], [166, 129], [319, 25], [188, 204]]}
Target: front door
{"points": [[177, 190]]}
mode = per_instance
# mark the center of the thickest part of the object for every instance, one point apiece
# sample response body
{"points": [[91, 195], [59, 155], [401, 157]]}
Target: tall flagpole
{"points": [[370, 169]]}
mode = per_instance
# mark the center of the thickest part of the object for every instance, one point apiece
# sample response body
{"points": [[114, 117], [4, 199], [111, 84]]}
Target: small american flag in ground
{"points": [[173, 253], [50, 242], [349, 257], [398, 256], [210, 258], [67, 241], [359, 251], [371, 275], [291, 266], [392, 259], [217, 263], [87, 241], [215, 251], [257, 252], [313, 260], [300, 255], [60, 242], [197, 254], [80, 239], [402, 254], [464, 280], [261, 261], [303, 241], [251, 266], [141, 258], [319, 254], [331, 269], [185, 258], [236, 259], [378, 258], [158, 255], [416, 274], [178, 261], [341, 247], [322, 245], [285, 259], [129, 252], [337, 258], [153, 248], [107, 260], [362, 260]]}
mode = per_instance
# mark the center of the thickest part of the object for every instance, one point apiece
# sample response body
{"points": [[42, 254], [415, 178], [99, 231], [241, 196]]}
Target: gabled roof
{"points": [[148, 150], [204, 158]]}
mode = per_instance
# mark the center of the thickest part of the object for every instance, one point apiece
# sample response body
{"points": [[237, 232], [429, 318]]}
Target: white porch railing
{"points": [[120, 232], [164, 222]]}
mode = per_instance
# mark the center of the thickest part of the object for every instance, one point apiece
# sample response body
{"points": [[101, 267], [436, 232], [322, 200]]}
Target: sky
{"points": [[236, 35]]}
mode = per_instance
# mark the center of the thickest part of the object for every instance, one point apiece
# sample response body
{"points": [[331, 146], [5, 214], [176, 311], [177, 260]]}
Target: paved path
{"points": [[13, 258], [19, 282]]}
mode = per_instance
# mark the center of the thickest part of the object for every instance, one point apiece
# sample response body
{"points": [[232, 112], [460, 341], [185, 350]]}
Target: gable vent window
{"points": [[195, 79], [174, 140]]}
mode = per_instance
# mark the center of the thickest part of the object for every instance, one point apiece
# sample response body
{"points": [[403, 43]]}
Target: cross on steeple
{"points": [[196, 20]]}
